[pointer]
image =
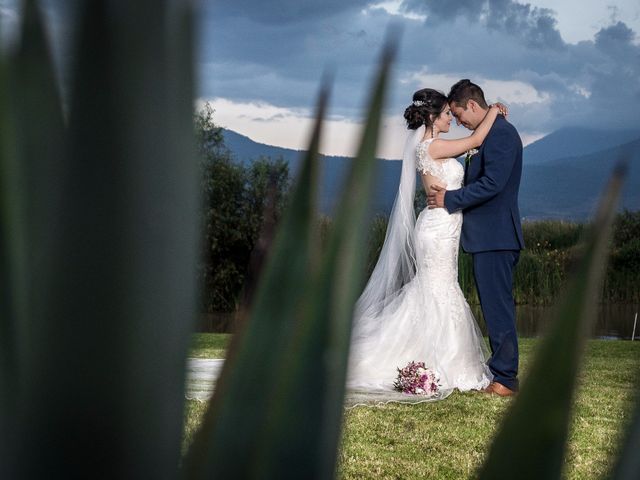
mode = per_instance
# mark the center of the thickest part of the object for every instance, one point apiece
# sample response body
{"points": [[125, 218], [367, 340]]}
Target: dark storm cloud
{"points": [[614, 37], [537, 27], [439, 10], [614, 79], [534, 26], [276, 52], [246, 57], [283, 11]]}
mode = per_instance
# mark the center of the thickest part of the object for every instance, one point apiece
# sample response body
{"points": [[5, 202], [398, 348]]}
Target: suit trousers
{"points": [[493, 273]]}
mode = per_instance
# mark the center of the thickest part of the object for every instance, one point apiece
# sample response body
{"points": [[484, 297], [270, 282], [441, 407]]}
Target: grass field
{"points": [[209, 345], [449, 439]]}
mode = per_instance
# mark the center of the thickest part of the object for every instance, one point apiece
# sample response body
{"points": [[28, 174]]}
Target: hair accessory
{"points": [[418, 103]]}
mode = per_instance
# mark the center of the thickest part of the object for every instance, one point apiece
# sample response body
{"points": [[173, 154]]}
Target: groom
{"points": [[491, 230]]}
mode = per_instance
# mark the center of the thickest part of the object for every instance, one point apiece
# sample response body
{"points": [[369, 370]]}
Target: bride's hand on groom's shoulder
{"points": [[502, 108]]}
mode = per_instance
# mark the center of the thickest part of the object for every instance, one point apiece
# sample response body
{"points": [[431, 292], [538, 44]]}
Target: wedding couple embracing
{"points": [[412, 308]]}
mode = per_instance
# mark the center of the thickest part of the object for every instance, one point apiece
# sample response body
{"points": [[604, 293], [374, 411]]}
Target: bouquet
{"points": [[416, 379]]}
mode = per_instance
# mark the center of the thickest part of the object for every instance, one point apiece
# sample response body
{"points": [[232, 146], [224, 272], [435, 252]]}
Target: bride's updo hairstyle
{"points": [[426, 102]]}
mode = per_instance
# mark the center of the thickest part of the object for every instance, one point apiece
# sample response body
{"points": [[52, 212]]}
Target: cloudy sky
{"points": [[555, 63]]}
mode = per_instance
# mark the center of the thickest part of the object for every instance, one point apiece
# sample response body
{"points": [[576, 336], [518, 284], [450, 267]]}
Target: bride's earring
{"points": [[434, 131]]}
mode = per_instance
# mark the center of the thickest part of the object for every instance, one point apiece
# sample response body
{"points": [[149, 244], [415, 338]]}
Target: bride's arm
{"points": [[441, 148]]}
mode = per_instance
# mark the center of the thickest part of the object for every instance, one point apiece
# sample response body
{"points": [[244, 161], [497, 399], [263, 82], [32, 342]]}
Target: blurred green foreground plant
{"points": [[98, 249]]}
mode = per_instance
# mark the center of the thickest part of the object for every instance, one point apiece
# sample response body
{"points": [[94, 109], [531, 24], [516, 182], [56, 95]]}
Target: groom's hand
{"points": [[435, 197]]}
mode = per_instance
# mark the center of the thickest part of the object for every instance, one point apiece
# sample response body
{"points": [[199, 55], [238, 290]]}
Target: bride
{"points": [[412, 308]]}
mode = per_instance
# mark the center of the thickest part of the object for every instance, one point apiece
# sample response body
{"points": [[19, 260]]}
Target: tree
{"points": [[235, 200]]}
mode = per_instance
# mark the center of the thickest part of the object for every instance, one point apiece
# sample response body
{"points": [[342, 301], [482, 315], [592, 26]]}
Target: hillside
{"points": [[575, 142], [563, 173], [570, 187], [332, 170]]}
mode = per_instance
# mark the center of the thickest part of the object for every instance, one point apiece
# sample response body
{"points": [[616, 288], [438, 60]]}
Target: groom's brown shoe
{"points": [[499, 389]]}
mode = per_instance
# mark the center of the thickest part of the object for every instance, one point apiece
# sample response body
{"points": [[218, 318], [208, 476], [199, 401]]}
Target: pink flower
{"points": [[416, 379]]}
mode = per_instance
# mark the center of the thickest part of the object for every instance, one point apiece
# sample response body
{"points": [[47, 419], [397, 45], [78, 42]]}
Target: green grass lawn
{"points": [[209, 345], [449, 439]]}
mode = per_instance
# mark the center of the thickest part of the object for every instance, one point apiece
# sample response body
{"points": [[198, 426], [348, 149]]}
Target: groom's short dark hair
{"points": [[463, 91]]}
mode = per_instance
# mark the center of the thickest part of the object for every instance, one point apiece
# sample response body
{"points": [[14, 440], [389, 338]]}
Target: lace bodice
{"points": [[449, 170]]}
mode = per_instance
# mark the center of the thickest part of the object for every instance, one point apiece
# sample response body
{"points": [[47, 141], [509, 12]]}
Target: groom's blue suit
{"points": [[492, 233]]}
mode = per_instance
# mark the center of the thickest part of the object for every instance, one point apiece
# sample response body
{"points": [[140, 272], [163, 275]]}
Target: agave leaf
{"points": [[9, 244], [285, 421], [531, 442], [227, 442], [122, 307], [39, 136], [303, 432], [10, 253], [33, 133]]}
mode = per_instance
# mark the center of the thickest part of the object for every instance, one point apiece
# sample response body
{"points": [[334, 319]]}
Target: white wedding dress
{"points": [[426, 319]]}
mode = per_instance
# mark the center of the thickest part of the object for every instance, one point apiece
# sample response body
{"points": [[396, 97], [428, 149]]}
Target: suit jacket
{"points": [[489, 198]]}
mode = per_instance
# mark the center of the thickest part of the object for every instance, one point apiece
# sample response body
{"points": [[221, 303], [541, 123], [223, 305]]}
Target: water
{"points": [[615, 321]]}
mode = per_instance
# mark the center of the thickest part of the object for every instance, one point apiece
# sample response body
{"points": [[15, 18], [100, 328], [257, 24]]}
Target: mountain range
{"points": [[563, 173]]}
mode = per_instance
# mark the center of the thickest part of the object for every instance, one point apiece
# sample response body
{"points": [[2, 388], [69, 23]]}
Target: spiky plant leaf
{"points": [[531, 442], [33, 134], [10, 253], [227, 442], [277, 412], [39, 137], [122, 306], [304, 429], [7, 218]]}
